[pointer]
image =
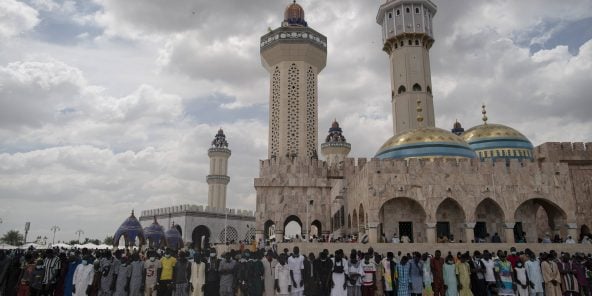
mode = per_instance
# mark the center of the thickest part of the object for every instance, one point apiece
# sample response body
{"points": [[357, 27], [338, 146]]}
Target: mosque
{"points": [[423, 182]]}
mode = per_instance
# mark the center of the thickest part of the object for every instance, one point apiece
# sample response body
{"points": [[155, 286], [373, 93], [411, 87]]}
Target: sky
{"points": [[108, 106]]}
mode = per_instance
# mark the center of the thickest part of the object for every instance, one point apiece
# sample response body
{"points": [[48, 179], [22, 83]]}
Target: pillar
{"points": [[431, 232], [372, 233], [279, 235], [572, 230], [470, 232], [509, 232]]}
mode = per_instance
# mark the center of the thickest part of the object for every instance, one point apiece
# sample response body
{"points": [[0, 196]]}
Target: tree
{"points": [[91, 241], [108, 240], [13, 237]]}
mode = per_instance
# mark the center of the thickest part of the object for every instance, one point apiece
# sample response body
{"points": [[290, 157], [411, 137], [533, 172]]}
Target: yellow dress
{"points": [[464, 276]]}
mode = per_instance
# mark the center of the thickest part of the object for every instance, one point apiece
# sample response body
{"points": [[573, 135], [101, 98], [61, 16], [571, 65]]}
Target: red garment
{"points": [[437, 271], [513, 259]]}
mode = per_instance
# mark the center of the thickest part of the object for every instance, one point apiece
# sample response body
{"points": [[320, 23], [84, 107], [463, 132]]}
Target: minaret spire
{"points": [[218, 178], [484, 112]]}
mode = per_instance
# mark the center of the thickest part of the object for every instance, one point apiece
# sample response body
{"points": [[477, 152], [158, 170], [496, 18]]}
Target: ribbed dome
{"points": [[173, 238], [425, 142], [130, 230], [498, 141], [294, 15], [155, 235]]}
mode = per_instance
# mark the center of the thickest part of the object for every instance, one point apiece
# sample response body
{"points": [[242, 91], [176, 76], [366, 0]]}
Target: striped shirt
{"points": [[51, 266]]}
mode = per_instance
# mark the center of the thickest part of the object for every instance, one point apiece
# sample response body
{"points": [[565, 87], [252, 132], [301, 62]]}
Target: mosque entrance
{"points": [[443, 229], [200, 236], [541, 217], [480, 230], [406, 229]]}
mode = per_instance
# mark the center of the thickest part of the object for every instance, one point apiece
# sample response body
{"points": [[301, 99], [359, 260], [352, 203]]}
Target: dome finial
{"points": [[419, 112], [484, 112]]}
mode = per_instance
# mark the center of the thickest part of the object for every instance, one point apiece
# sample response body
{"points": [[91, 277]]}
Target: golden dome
{"points": [[425, 142], [489, 131]]}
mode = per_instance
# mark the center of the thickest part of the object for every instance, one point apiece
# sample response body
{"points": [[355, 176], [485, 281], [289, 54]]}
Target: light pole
{"points": [[79, 232], [309, 203], [27, 227], [226, 226], [54, 229]]}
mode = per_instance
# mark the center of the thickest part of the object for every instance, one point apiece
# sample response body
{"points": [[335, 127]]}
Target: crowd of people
{"points": [[268, 272]]}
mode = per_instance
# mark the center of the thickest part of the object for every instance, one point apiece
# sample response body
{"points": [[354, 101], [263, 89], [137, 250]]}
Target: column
{"points": [[431, 232], [279, 235], [470, 232], [572, 230], [509, 232], [372, 233]]}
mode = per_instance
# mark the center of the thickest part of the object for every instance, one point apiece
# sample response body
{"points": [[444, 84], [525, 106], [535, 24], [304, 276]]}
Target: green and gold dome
{"points": [[492, 141], [425, 142]]}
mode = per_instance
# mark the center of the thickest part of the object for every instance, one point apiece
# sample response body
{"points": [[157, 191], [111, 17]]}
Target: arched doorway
{"points": [[269, 229], [403, 216], [490, 220], [316, 229], [349, 221], [292, 227], [584, 230], [537, 217], [450, 219], [362, 225], [179, 229], [201, 237]]}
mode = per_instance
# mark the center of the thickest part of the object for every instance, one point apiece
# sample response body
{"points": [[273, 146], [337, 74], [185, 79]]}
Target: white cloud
{"points": [[16, 18]]}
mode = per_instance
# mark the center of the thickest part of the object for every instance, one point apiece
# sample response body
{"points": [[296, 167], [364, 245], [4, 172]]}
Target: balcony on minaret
{"points": [[407, 18]]}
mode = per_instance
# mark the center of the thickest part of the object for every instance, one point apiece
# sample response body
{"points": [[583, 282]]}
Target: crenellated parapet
{"points": [[183, 209], [569, 152]]}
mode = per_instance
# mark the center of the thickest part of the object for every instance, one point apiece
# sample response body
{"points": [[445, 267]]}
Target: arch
{"points": [[292, 226], [490, 219], [316, 228], [537, 217], [349, 221], [201, 237], [355, 221], [269, 229], [450, 220], [416, 87], [401, 90], [403, 216], [362, 224], [228, 235]]}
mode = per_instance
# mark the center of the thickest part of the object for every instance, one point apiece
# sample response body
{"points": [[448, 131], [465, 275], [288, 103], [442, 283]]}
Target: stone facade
{"points": [[458, 197]]}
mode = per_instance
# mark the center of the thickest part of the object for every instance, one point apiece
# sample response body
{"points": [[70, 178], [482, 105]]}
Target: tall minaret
{"points": [[294, 55], [408, 36], [218, 177]]}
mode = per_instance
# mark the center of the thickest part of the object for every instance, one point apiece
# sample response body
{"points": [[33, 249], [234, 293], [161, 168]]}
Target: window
{"points": [[410, 42], [396, 46], [416, 42], [480, 154], [429, 89], [402, 43], [407, 10], [398, 12], [485, 153], [416, 87], [401, 89], [417, 10], [390, 15]]}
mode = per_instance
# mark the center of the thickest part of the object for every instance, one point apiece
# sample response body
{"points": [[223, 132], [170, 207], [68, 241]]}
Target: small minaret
{"points": [[336, 148], [218, 177], [407, 36], [294, 55]]}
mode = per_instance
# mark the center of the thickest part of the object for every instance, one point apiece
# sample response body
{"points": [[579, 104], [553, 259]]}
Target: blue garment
{"points": [[404, 279], [70, 277]]}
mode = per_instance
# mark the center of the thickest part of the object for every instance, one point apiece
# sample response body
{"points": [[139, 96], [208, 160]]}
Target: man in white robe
{"points": [[296, 265], [83, 277]]}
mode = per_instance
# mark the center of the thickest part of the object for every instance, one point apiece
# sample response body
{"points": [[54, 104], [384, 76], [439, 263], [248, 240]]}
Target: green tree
{"points": [[13, 237], [108, 240]]}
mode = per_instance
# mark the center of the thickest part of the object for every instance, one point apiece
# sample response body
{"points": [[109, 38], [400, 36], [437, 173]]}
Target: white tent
{"points": [[6, 247], [34, 245], [61, 246]]}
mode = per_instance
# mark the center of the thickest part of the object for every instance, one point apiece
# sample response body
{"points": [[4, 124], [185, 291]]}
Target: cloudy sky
{"points": [[110, 105]]}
